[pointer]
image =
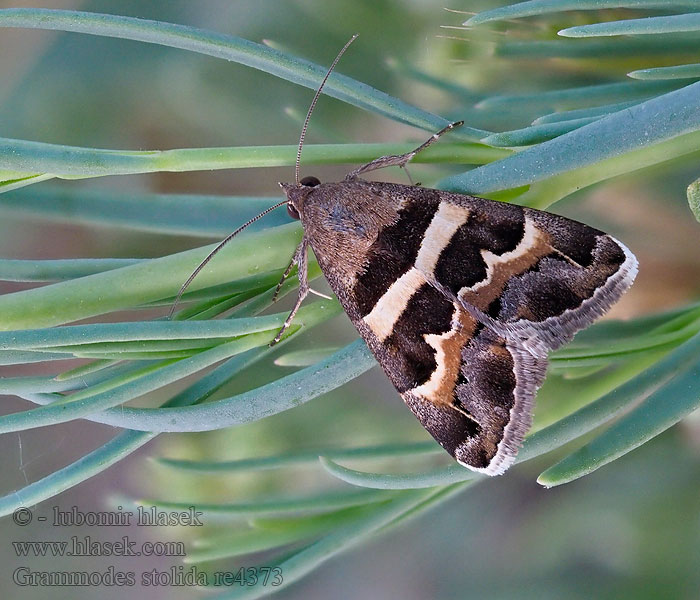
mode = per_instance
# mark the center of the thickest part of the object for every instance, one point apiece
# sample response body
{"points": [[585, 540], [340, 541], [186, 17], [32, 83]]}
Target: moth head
{"points": [[296, 194]]}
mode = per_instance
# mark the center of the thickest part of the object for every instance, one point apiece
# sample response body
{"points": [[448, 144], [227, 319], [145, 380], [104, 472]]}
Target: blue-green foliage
{"points": [[581, 124]]}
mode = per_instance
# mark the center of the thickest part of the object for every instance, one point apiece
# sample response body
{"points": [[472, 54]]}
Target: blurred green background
{"points": [[630, 530]]}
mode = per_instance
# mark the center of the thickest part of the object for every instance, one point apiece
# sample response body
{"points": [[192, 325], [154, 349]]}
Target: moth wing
{"points": [[459, 299]]}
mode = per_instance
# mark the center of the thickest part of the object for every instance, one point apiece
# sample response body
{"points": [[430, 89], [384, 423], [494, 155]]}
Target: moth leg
{"points": [[320, 295], [410, 179], [399, 160], [301, 260], [286, 273]]}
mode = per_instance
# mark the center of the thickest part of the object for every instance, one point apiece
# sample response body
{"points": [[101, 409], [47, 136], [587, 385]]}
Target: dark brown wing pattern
{"points": [[460, 299]]}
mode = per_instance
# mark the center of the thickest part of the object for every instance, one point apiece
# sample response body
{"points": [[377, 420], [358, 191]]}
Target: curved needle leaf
{"points": [[146, 281], [275, 397], [270, 533], [95, 399], [672, 392], [536, 133], [60, 270], [16, 357], [691, 71], [287, 459], [118, 390], [582, 113], [580, 96], [544, 193], [160, 213], [651, 47], [77, 335], [123, 444], [281, 506], [532, 8], [231, 48], [661, 118], [78, 162], [306, 357], [649, 25], [450, 474]]}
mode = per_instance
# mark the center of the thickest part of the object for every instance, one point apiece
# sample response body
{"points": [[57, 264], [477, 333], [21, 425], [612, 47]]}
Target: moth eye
{"points": [[310, 181], [293, 212]]}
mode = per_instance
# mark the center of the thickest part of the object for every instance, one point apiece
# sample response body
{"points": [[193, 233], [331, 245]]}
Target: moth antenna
{"points": [[229, 237], [313, 105], [214, 252]]}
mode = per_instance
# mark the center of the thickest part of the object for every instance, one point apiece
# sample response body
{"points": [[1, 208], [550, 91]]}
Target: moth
{"points": [[459, 298]]}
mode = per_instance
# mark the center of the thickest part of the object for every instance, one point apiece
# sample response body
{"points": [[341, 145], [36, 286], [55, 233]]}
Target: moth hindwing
{"points": [[459, 298]]}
